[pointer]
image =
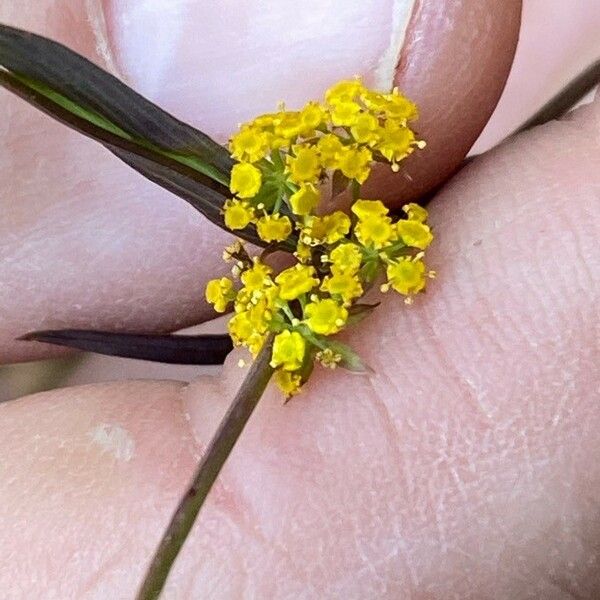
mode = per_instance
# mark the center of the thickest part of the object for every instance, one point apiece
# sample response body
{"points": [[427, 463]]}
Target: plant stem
{"points": [[207, 472], [566, 98]]}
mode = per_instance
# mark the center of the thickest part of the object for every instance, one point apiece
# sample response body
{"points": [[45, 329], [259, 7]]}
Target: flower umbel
{"points": [[284, 161]]}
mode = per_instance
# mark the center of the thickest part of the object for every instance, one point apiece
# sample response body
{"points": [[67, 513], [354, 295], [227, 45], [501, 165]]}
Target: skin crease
{"points": [[71, 217], [479, 508], [461, 469]]}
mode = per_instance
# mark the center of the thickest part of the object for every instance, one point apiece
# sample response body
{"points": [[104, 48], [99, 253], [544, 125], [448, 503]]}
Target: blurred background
{"points": [[558, 41]]}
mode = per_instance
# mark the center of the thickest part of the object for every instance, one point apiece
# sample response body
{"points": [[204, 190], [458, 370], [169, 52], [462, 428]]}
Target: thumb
{"points": [[460, 469]]}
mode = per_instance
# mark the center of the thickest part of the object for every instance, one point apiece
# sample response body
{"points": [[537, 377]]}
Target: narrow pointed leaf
{"points": [[201, 192], [203, 199], [173, 349], [176, 166], [96, 127], [76, 78]]}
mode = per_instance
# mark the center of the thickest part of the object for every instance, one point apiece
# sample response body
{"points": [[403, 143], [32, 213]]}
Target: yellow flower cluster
{"points": [[283, 157], [283, 160]]}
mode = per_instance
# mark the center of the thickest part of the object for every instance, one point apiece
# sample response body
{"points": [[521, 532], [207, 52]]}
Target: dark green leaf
{"points": [[199, 196], [177, 165], [174, 349], [76, 78], [204, 194]]}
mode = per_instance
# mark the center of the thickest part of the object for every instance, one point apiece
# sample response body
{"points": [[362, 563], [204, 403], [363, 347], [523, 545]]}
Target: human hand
{"points": [[461, 470]]}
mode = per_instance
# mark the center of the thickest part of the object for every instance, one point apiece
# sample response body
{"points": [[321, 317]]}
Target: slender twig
{"points": [[207, 471], [566, 99]]}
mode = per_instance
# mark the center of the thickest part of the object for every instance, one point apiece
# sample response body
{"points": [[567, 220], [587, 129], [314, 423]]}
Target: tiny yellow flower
{"points": [[312, 116], [243, 300], [345, 258], [246, 180], [365, 129], [345, 114], [374, 101], [375, 232], [260, 314], [303, 253], [257, 277], [414, 233], [305, 166], [396, 142], [355, 163], [305, 200], [365, 209], [255, 343], [238, 214], [400, 108], [344, 91], [289, 348], [243, 331], [219, 293], [269, 124], [407, 276], [327, 229], [295, 281], [250, 144], [415, 212], [274, 228], [325, 316], [330, 147], [266, 121], [343, 284], [289, 125], [289, 383], [240, 327]]}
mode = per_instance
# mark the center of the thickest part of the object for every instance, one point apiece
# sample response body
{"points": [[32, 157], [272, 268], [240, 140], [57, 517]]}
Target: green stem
{"points": [[277, 205], [207, 472], [277, 160], [285, 307]]}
